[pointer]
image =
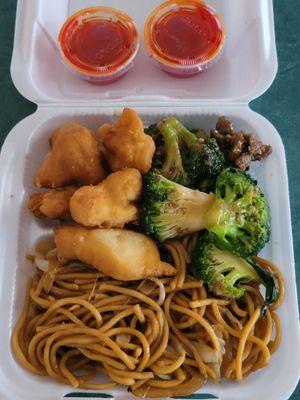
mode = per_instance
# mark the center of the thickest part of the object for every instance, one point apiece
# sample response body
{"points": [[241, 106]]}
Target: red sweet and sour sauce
{"points": [[184, 33], [98, 41]]}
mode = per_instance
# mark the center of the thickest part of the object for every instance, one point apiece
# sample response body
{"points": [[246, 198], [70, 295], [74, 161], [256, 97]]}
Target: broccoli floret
{"points": [[188, 159], [211, 160], [207, 185], [173, 167], [152, 130], [170, 209], [238, 214], [159, 155], [224, 271]]}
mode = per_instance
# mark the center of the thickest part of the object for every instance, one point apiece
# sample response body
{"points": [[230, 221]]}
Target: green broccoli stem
{"points": [[181, 132], [214, 214], [173, 164], [217, 213], [175, 135], [186, 208], [221, 220], [193, 209], [187, 160]]}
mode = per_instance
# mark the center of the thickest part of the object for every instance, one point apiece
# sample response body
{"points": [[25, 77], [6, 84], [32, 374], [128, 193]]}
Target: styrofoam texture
{"points": [[24, 150], [245, 70]]}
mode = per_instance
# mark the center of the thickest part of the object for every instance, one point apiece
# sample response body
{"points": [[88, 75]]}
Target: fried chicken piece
{"points": [[112, 203], [75, 157], [126, 144], [52, 204], [121, 254]]}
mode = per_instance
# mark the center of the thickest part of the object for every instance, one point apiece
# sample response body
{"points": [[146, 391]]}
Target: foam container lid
{"points": [[245, 70]]}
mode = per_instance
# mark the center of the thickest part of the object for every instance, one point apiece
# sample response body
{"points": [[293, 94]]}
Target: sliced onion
{"points": [[146, 287], [164, 377], [40, 262], [122, 339], [207, 353], [217, 369], [162, 291], [51, 253], [219, 334]]}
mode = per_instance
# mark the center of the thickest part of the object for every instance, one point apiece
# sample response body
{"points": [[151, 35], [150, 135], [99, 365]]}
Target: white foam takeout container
{"points": [[245, 70]]}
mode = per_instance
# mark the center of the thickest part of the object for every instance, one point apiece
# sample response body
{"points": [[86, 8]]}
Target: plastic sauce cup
{"points": [[99, 44], [184, 37]]}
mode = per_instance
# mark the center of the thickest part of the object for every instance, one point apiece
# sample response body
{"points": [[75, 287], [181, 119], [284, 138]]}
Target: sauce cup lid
{"points": [[160, 19], [98, 41]]}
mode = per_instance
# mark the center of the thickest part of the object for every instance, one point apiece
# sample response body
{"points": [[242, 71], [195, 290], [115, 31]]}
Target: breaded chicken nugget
{"points": [[126, 144], [118, 253], [112, 203], [75, 157], [52, 204]]}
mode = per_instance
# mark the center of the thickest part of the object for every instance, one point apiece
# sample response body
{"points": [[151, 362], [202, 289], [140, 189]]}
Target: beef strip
{"points": [[240, 148]]}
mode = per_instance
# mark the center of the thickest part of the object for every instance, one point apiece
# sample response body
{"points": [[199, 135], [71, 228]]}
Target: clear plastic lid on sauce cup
{"points": [[99, 44], [184, 37]]}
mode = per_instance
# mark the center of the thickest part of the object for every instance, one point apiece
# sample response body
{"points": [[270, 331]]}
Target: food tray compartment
{"points": [[247, 67], [23, 152]]}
